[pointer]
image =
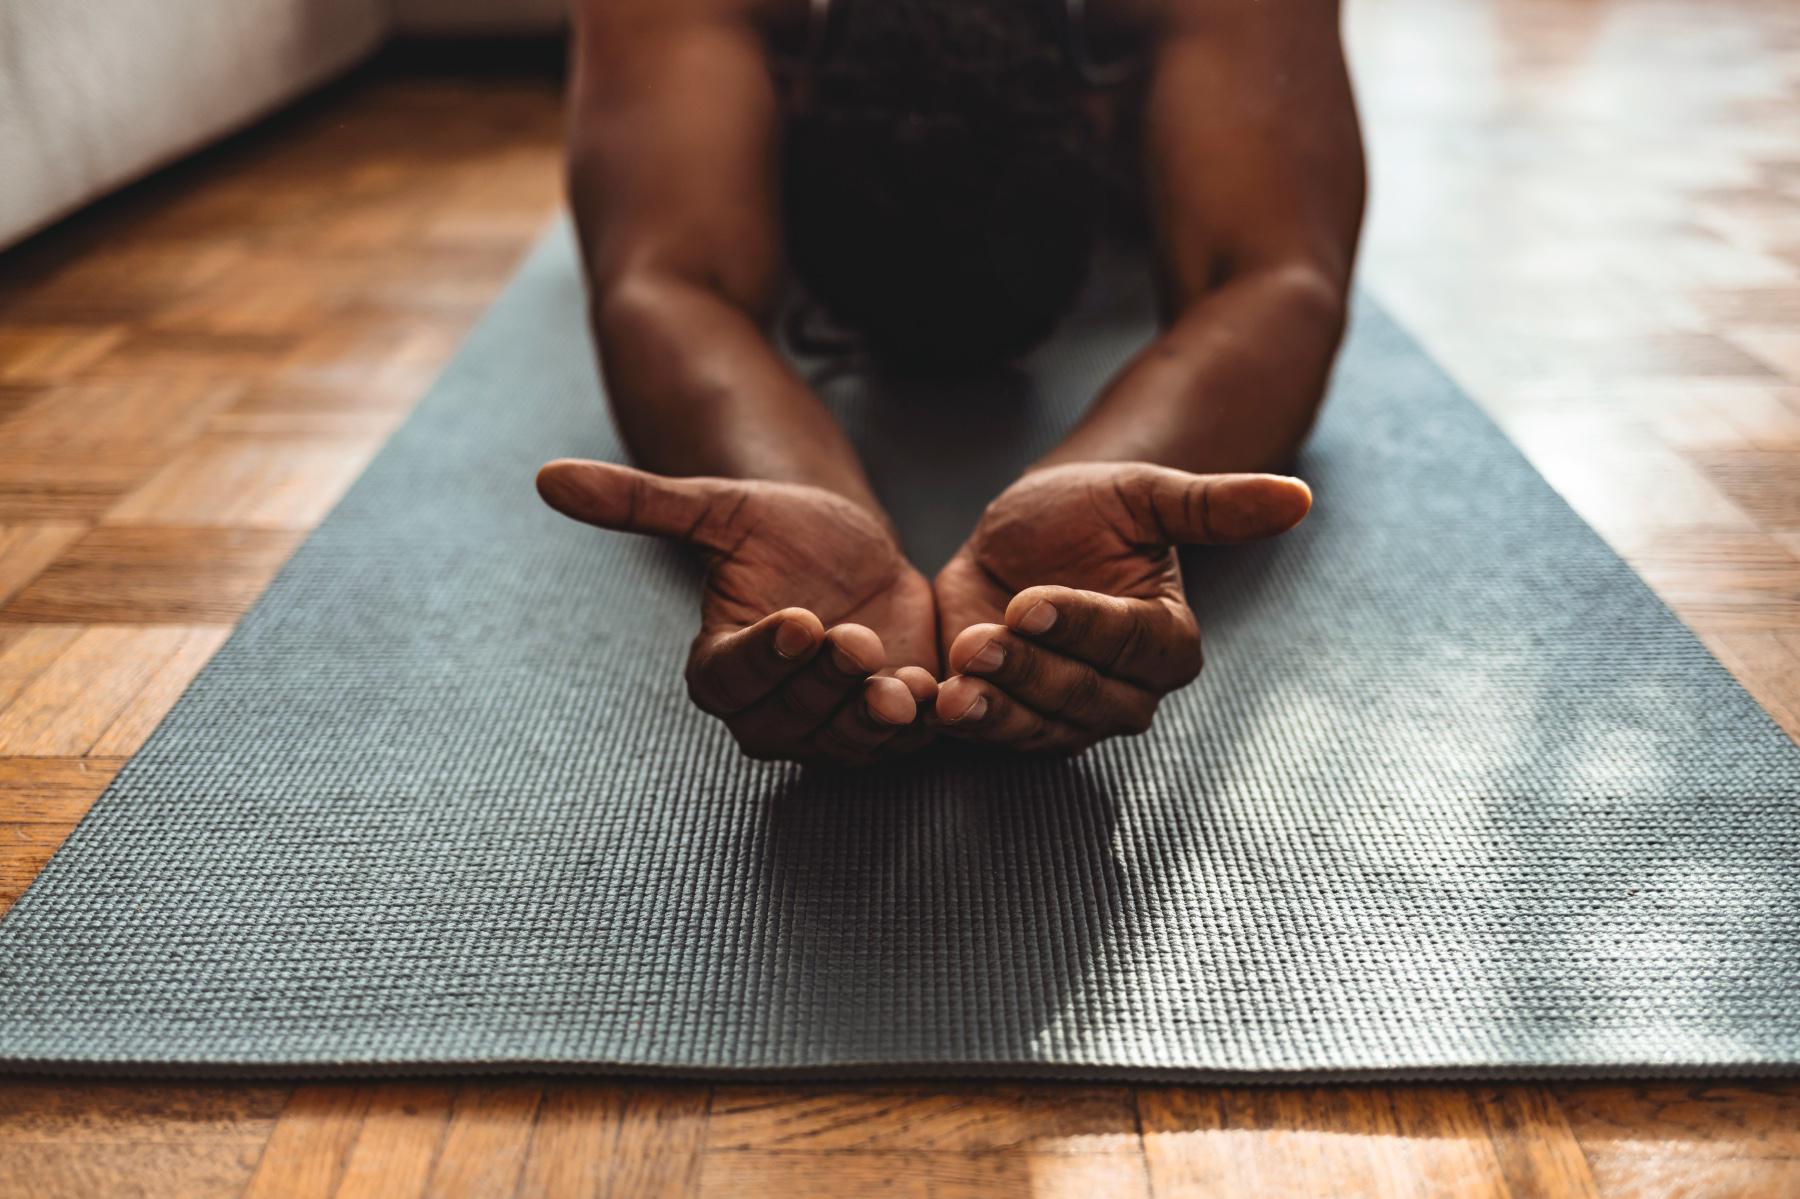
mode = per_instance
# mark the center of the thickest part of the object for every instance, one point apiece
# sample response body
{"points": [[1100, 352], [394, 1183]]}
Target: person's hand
{"points": [[1063, 617], [817, 640]]}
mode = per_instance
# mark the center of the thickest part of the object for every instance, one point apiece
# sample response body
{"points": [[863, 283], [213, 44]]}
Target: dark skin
{"points": [[1062, 619]]}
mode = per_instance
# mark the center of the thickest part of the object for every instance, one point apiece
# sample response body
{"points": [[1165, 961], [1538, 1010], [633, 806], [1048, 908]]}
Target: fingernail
{"points": [[1039, 619], [846, 663], [973, 712], [792, 639], [891, 701], [990, 657]]}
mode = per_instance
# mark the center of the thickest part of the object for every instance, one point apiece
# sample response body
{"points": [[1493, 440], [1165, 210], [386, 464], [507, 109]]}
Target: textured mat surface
{"points": [[1456, 794]]}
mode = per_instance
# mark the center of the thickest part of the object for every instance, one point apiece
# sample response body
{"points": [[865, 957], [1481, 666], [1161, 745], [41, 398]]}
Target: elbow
{"points": [[638, 308], [1315, 297], [652, 319]]}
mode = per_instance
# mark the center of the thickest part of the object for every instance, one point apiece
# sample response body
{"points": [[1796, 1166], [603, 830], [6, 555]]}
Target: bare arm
{"points": [[672, 178], [816, 637], [1064, 616], [1256, 183]]}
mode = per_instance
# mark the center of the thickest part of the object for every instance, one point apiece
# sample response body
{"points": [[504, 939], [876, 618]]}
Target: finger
{"points": [[920, 682], [869, 721], [976, 710], [694, 510], [1051, 683], [1173, 507], [728, 672], [924, 687], [1153, 643], [810, 696]]}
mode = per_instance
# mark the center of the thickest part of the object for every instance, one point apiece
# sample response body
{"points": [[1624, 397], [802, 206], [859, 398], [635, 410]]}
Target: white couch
{"points": [[94, 93]]}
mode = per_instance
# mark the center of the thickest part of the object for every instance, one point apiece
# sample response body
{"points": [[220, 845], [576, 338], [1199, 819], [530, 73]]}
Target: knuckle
{"points": [[1081, 694], [1139, 720], [793, 706], [1133, 637], [1177, 659], [700, 692], [1024, 666], [1078, 617], [1029, 726], [712, 689], [1059, 743], [1187, 660]]}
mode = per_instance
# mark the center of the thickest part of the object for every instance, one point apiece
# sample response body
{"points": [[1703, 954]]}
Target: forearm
{"points": [[1232, 384], [696, 388], [671, 145]]}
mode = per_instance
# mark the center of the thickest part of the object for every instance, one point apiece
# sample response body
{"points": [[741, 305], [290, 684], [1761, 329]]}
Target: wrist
{"points": [[844, 479]]}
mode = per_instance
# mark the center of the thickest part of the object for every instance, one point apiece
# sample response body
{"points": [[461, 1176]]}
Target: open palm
{"points": [[1063, 617], [817, 637]]}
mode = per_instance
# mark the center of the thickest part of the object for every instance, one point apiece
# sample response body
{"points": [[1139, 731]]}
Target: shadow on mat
{"points": [[950, 909]]}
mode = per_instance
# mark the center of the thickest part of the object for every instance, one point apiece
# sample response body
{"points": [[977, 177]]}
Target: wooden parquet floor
{"points": [[1588, 210]]}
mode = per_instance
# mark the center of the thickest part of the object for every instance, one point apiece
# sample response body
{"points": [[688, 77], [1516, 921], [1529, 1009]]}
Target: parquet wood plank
{"points": [[1768, 665], [52, 353], [112, 284], [1689, 1139], [214, 1169], [1043, 1119], [1587, 456], [126, 421], [164, 354], [25, 550], [52, 790], [35, 491], [1761, 482], [1716, 418], [134, 1139], [26, 652], [1720, 580], [629, 1141], [1279, 1141], [484, 1147], [44, 1112], [145, 710], [307, 1150], [229, 480], [755, 1174], [66, 708], [41, 800], [925, 1140], [155, 575], [1538, 1151], [401, 1135]]}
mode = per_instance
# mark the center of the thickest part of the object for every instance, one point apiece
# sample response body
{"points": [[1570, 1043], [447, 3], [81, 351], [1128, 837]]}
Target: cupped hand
{"points": [[1063, 617], [817, 637]]}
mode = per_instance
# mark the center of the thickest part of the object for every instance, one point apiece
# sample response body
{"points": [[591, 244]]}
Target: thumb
{"points": [[1185, 509], [636, 501]]}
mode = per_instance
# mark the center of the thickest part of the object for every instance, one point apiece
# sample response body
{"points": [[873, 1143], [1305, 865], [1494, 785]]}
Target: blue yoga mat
{"points": [[1456, 795]]}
